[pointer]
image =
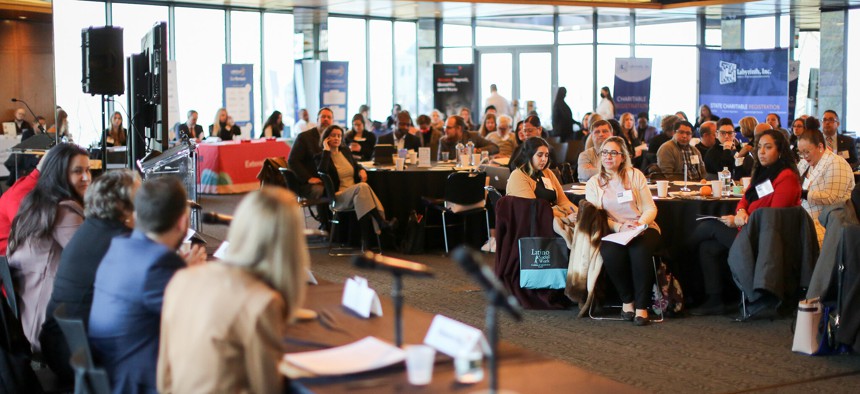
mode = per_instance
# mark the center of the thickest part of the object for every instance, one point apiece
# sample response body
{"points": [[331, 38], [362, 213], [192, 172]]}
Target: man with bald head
{"points": [[708, 132], [22, 126], [402, 137], [588, 163], [673, 155]]}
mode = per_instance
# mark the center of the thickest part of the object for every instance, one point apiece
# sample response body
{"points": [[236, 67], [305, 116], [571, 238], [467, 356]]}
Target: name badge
{"points": [[625, 196], [694, 159], [764, 189], [844, 154], [547, 183], [806, 183]]}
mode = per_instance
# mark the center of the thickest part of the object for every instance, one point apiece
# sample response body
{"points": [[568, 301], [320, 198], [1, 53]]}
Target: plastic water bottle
{"points": [[460, 151], [726, 178], [470, 148]]}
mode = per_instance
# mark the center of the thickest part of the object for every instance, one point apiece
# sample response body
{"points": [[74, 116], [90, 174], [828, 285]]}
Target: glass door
{"points": [[523, 74]]}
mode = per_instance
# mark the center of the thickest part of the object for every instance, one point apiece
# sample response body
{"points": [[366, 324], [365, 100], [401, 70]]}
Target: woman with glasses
{"points": [[774, 184], [725, 153], [798, 127], [622, 191], [827, 178], [533, 179]]}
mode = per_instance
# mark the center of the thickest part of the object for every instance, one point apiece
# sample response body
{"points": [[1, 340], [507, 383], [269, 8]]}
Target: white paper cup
{"points": [[662, 188], [468, 368], [399, 163], [716, 188], [419, 364], [746, 182], [464, 160], [413, 157], [739, 161], [476, 158], [443, 156]]}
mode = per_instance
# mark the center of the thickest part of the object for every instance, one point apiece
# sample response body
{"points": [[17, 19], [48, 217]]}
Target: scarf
{"points": [[763, 174]]}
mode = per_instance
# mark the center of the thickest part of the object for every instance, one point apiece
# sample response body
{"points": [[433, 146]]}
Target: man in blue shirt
{"points": [[129, 288]]}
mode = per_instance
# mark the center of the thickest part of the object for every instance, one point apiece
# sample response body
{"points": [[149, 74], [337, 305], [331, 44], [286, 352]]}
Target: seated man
{"points": [[301, 161], [456, 131], [645, 131], [708, 137], [588, 164], [401, 137], [725, 153], [673, 155], [125, 318], [428, 136]]}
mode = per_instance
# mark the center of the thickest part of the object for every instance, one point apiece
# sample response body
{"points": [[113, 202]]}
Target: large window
{"points": [[673, 79], [380, 62], [84, 110], [851, 119], [200, 52], [245, 49], [665, 29], [575, 70], [606, 55], [613, 27], [759, 33], [405, 70], [277, 69], [347, 42], [534, 30], [576, 28], [457, 41]]}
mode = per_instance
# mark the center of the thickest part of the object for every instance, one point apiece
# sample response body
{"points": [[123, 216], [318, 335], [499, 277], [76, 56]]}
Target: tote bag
{"points": [[543, 260]]}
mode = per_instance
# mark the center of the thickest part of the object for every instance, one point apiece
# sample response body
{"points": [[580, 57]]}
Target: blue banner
{"points": [[744, 83], [632, 90], [334, 86], [793, 73], [237, 95]]}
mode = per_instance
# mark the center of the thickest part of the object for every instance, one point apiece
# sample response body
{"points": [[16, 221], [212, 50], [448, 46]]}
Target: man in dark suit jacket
{"points": [[401, 138], [301, 161], [840, 144], [190, 127], [22, 126], [125, 318]]}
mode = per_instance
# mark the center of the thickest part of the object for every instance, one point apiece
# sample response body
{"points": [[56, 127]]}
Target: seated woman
{"points": [[274, 126], [827, 178], [488, 125], [533, 179], [116, 134], [222, 323], [47, 219], [109, 213], [775, 184], [798, 126], [223, 127], [349, 179], [725, 152], [359, 141], [622, 191]]}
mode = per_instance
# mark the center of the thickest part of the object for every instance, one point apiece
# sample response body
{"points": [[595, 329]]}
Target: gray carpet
{"points": [[696, 354]]}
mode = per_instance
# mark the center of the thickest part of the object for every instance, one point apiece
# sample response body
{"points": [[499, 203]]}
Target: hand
{"points": [[362, 174], [326, 148], [630, 225], [746, 149], [413, 130], [195, 256], [355, 147], [730, 145], [728, 220], [572, 217], [741, 218], [314, 181]]}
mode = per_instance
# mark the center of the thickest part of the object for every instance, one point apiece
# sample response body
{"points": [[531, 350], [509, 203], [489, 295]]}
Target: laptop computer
{"points": [[498, 176], [383, 154]]}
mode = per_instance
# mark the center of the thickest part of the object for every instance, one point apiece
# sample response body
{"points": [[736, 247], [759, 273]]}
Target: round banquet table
{"points": [[400, 191], [677, 220]]}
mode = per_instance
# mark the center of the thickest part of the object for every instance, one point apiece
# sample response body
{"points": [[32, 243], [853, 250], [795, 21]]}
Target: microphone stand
{"points": [[397, 297], [35, 118], [492, 333]]}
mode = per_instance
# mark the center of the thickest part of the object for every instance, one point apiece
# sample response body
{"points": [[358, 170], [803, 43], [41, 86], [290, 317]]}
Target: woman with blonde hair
{"points": [[223, 323], [223, 127], [622, 191]]}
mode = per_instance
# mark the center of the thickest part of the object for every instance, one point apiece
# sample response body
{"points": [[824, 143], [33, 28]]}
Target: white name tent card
{"points": [[454, 338], [424, 157], [311, 278], [360, 298], [221, 251]]}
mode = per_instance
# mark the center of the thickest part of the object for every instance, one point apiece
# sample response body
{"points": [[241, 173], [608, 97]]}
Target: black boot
{"points": [[385, 226]]}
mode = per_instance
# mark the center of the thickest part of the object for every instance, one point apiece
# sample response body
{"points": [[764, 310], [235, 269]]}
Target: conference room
{"points": [[387, 169]]}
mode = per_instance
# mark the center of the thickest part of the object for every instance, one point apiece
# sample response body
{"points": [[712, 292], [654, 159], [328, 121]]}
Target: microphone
{"points": [[216, 218], [497, 294], [194, 205], [370, 260], [35, 118]]}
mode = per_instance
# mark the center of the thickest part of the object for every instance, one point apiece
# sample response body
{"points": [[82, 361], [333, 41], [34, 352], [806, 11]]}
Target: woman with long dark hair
{"points": [[359, 141], [562, 116], [606, 107], [776, 172], [274, 126], [116, 134], [47, 219], [489, 125], [533, 179]]}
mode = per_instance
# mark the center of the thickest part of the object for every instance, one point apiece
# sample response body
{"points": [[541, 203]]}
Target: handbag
{"points": [[543, 260], [667, 297], [806, 329], [413, 241]]}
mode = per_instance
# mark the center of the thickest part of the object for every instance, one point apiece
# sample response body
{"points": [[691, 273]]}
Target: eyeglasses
{"points": [[684, 132], [804, 154], [610, 153], [828, 120], [727, 133]]}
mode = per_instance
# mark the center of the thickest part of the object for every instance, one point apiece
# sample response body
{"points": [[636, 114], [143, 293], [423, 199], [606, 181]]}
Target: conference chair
{"points": [[75, 333], [656, 261], [464, 196], [560, 152], [7, 285], [336, 217], [292, 182], [88, 379]]}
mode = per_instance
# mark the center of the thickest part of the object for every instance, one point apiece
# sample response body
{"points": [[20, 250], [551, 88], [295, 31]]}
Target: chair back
{"points": [[8, 287], [290, 179], [855, 199], [88, 379], [75, 332], [465, 188], [329, 186], [574, 148], [560, 152], [268, 174]]}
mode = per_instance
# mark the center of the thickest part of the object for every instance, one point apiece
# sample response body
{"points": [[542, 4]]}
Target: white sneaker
{"points": [[490, 245]]}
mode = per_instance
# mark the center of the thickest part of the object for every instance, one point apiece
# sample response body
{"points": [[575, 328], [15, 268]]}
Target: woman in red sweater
{"points": [[775, 184]]}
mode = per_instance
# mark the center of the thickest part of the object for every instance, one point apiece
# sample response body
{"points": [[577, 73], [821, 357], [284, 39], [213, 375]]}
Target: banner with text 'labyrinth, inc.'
{"points": [[744, 83], [632, 90]]}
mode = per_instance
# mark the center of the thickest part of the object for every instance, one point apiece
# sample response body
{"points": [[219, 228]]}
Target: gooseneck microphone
{"points": [[469, 261], [376, 261], [35, 118], [216, 218]]}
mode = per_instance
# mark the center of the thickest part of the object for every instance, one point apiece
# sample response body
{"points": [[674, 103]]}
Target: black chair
{"points": [[89, 379], [75, 333], [560, 152], [8, 287], [335, 220], [292, 182], [464, 195]]}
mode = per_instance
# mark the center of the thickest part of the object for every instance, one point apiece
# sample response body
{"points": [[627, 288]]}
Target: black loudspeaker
{"points": [[102, 71]]}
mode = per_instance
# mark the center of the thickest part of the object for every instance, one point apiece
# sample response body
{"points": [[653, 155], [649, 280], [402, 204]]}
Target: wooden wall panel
{"points": [[26, 68]]}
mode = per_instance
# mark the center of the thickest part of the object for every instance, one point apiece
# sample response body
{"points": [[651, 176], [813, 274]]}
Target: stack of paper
{"points": [[365, 355]]}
